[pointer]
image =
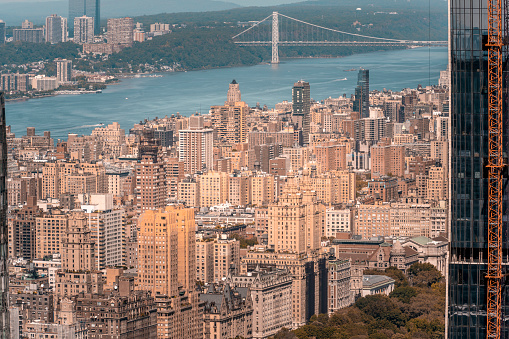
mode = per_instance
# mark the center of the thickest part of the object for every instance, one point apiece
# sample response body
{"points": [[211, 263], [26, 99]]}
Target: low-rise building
{"points": [[377, 284]]}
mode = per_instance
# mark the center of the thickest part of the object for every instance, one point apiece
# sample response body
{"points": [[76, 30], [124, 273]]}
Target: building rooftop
{"points": [[372, 281]]}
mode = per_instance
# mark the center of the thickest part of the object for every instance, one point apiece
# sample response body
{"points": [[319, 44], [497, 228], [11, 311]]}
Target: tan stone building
{"points": [[213, 188], [189, 192], [339, 287], [271, 293], [228, 312], [262, 189], [205, 260], [167, 268], [226, 257], [50, 231], [196, 146], [387, 160], [295, 222], [309, 279]]}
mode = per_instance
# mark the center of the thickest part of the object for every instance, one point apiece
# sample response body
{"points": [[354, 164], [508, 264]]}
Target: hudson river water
{"points": [[135, 99]]}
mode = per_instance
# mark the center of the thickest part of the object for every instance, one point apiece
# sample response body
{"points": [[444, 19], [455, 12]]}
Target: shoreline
{"points": [[121, 76]]}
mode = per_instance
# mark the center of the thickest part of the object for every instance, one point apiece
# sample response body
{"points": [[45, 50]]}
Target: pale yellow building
{"points": [[295, 222], [213, 188], [226, 257], [262, 189]]}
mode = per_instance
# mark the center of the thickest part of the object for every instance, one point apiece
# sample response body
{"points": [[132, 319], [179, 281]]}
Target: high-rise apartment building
{"points": [[226, 257], [64, 71], [89, 8], [56, 26], [469, 181], [151, 188], [120, 31], [50, 230], [2, 32], [229, 121], [83, 29], [361, 103], [22, 241], [295, 222], [196, 146], [213, 188], [108, 230], [233, 94], [301, 95], [166, 250], [4, 273]]}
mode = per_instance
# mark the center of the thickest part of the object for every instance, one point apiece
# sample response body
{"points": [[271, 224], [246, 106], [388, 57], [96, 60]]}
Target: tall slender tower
{"points": [[470, 176], [4, 236], [301, 96], [361, 103], [90, 8]]}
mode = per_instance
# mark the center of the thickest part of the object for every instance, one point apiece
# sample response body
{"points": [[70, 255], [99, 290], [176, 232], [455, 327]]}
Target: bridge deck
{"points": [[345, 43]]}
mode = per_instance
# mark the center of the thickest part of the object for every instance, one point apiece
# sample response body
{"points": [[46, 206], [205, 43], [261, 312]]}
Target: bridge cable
{"points": [[338, 31]]}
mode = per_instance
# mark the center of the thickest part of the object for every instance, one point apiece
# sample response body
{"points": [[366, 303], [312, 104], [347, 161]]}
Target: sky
{"points": [[239, 2]]}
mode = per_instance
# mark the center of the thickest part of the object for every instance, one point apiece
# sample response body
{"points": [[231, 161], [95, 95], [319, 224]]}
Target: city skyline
{"points": [[164, 191]]}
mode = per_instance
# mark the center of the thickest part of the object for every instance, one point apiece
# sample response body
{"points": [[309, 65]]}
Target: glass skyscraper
{"points": [[90, 8], [467, 296], [4, 233], [361, 103], [301, 96]]}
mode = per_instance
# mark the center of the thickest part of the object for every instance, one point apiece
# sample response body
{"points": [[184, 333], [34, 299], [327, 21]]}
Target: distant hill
{"points": [[13, 13]]}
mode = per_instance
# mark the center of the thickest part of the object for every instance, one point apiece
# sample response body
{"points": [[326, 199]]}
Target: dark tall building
{"points": [[2, 32], [467, 291], [90, 8], [301, 96], [4, 232], [361, 103]]}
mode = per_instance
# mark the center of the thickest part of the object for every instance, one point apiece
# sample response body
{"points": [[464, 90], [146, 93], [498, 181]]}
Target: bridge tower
{"points": [[275, 38]]}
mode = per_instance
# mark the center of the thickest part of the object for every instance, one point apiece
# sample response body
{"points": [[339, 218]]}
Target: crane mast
{"points": [[495, 163]]}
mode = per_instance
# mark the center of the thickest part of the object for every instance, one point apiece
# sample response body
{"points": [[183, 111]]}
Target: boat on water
{"points": [[350, 70]]}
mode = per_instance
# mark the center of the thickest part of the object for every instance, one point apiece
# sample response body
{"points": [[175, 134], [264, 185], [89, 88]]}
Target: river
{"points": [[135, 99]]}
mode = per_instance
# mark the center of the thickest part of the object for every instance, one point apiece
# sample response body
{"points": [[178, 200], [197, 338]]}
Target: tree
{"points": [[404, 293], [424, 275]]}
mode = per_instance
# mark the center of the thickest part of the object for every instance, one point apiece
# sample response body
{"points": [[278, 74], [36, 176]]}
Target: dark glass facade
{"points": [[2, 32], [361, 103], [4, 234], [301, 96], [469, 187], [91, 8]]}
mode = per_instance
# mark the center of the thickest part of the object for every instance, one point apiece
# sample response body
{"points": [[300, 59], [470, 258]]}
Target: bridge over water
{"points": [[288, 31]]}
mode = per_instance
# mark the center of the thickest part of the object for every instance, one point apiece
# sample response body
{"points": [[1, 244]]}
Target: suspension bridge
{"points": [[281, 30]]}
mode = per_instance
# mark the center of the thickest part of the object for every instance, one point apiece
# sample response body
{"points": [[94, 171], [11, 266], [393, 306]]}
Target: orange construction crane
{"points": [[495, 164]]}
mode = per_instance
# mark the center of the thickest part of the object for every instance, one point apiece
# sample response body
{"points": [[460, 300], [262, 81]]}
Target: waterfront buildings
{"points": [[56, 29], [29, 34], [89, 8], [64, 71], [120, 31]]}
